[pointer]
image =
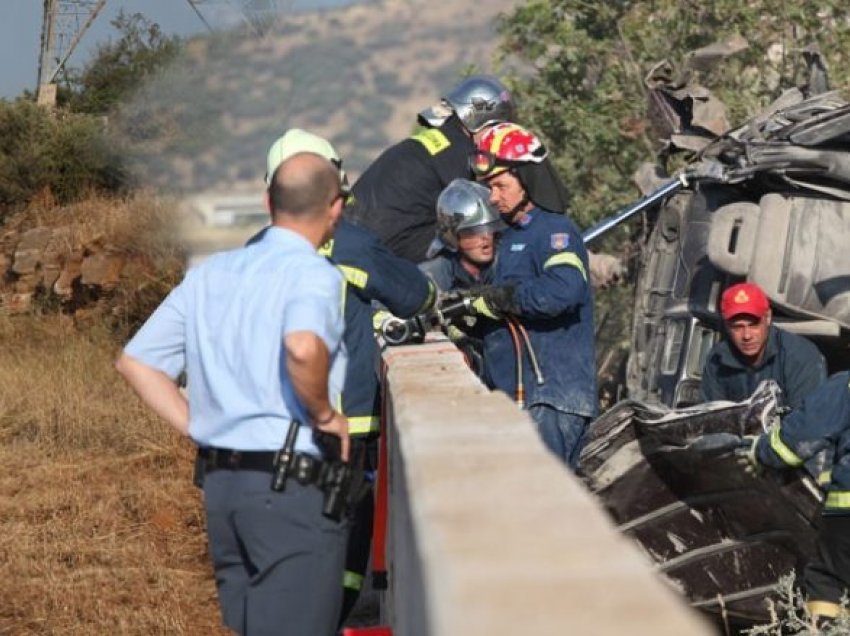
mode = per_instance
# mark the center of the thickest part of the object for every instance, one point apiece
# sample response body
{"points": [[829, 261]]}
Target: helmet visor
{"points": [[485, 164]]}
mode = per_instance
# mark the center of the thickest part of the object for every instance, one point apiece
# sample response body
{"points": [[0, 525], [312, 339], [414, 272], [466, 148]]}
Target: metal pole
{"points": [[648, 201]]}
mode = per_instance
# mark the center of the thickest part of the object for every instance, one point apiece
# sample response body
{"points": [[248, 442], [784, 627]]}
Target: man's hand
{"points": [[331, 431], [495, 301], [746, 456]]}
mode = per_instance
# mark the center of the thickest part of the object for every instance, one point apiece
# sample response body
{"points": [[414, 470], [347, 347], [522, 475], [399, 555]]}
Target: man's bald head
{"points": [[304, 185]]}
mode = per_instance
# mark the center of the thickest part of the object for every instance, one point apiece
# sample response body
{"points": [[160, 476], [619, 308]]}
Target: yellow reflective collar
{"points": [[566, 258], [327, 249], [433, 140], [785, 454]]}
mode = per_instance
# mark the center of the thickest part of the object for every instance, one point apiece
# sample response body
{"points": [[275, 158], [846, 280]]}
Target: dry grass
{"points": [[101, 530]]}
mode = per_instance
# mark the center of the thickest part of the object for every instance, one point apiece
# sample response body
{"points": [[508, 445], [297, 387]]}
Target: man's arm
{"points": [[308, 366], [157, 390], [805, 370]]}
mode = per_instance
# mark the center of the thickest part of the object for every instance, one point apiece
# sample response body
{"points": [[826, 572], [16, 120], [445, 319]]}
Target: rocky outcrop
{"points": [[46, 265], [104, 259]]}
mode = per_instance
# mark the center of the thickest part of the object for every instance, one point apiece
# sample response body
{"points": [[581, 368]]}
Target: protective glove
{"points": [[456, 334], [495, 301], [746, 456]]}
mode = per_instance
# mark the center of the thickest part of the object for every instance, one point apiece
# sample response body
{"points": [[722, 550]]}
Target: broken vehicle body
{"points": [[768, 202]]}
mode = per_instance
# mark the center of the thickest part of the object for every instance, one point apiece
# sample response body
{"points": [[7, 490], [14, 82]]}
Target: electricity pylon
{"points": [[63, 26]]}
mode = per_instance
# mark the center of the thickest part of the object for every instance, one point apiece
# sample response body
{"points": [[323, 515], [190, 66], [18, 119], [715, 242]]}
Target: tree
{"points": [[582, 87], [120, 67], [587, 94]]}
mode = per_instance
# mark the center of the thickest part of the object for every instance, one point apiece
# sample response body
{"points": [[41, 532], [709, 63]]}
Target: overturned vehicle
{"points": [[768, 202]]}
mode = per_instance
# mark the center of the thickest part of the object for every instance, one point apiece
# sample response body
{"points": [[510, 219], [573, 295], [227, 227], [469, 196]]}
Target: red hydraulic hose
{"points": [[520, 388]]}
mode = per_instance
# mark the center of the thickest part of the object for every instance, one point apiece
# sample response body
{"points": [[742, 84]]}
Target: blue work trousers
{"points": [[278, 562], [563, 433]]}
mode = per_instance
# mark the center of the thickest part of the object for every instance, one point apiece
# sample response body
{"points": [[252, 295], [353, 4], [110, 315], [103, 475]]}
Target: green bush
{"points": [[67, 154]]}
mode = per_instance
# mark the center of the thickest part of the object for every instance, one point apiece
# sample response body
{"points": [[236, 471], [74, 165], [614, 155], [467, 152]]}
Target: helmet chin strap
{"points": [[519, 207]]}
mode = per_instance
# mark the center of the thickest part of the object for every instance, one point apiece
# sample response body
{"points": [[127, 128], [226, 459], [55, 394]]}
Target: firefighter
{"points": [[755, 350], [371, 273], [463, 252], [397, 194], [821, 423], [540, 290]]}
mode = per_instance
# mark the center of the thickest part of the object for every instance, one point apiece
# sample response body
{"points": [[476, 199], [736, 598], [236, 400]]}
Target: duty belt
{"points": [[306, 469]]}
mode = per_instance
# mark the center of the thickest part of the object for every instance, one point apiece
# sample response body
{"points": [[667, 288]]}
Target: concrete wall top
{"points": [[508, 540]]}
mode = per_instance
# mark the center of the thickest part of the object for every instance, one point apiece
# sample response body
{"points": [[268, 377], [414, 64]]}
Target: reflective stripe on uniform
{"points": [[354, 275], [352, 580], [433, 140], [785, 454], [838, 499], [363, 424], [327, 249], [429, 300], [824, 478], [566, 258]]}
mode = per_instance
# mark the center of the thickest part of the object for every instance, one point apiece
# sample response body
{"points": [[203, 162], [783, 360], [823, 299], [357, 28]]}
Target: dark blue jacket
{"points": [[546, 259], [396, 197], [821, 423], [372, 273], [794, 362], [446, 271]]}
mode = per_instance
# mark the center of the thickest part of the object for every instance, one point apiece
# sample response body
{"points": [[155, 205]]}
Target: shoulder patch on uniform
{"points": [[433, 140], [559, 240]]}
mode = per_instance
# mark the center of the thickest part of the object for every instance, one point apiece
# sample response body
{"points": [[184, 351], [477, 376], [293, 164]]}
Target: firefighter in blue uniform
{"points": [[397, 194], [822, 423], [461, 256], [371, 274], [540, 290]]}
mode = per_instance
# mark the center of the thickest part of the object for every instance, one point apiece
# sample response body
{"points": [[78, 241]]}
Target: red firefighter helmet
{"points": [[504, 146]]}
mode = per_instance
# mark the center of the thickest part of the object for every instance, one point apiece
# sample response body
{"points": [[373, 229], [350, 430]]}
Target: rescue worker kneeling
{"points": [[539, 341], [822, 423]]}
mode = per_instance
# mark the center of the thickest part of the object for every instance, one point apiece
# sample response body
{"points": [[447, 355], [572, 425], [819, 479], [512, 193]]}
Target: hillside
{"points": [[357, 75]]}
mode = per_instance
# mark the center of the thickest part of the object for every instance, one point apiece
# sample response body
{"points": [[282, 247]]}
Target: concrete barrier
{"points": [[491, 534]]}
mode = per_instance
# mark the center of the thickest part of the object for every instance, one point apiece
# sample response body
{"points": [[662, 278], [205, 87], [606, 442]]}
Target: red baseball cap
{"points": [[743, 298]]}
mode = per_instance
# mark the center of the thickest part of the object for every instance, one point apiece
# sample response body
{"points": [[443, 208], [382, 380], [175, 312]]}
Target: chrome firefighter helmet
{"points": [[480, 100], [463, 206]]}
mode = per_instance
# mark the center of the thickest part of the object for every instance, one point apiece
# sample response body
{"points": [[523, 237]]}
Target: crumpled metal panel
{"points": [[671, 480]]}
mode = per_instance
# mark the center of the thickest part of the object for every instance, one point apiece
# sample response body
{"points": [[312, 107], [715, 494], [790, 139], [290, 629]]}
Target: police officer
{"points": [[258, 331], [822, 423], [371, 274], [397, 194], [540, 289], [755, 350]]}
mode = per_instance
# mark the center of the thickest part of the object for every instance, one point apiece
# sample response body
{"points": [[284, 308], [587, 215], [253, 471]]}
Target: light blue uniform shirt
{"points": [[225, 324]]}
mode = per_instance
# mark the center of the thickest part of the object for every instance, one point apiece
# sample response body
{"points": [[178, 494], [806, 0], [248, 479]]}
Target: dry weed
{"points": [[100, 529]]}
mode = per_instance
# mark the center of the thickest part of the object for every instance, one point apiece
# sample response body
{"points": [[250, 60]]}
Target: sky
{"points": [[21, 20]]}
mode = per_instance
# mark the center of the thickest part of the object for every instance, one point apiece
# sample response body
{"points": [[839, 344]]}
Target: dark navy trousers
{"points": [[278, 562], [563, 433]]}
